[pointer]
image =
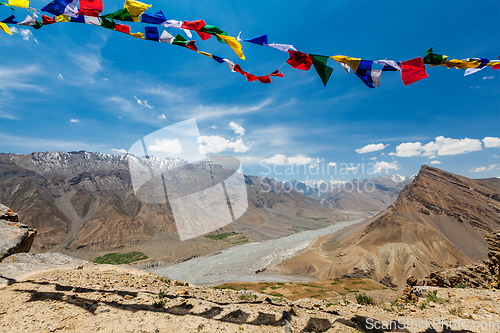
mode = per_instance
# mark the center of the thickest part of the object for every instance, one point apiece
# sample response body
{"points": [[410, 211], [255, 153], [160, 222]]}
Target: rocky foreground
{"points": [[84, 297]]}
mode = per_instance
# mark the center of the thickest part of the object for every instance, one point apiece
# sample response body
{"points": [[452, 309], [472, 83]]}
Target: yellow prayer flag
{"points": [[137, 35], [135, 9], [353, 62], [462, 64], [205, 54], [5, 28], [63, 18], [234, 44], [19, 3]]}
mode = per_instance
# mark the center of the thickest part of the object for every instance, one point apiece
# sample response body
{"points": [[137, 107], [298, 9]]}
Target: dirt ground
{"points": [[104, 298]]}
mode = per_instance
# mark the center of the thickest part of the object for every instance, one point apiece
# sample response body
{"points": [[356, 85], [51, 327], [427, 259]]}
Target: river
{"points": [[240, 263]]}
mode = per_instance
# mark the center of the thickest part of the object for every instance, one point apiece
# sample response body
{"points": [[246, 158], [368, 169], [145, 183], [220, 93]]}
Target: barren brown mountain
{"points": [[438, 221], [83, 203]]}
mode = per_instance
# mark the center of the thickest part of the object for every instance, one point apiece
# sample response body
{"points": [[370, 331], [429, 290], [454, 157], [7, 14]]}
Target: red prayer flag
{"points": [[90, 7], [264, 79], [238, 69], [46, 20], [299, 60], [413, 71], [251, 77], [203, 35], [193, 25], [496, 66], [191, 45], [276, 73], [122, 28]]}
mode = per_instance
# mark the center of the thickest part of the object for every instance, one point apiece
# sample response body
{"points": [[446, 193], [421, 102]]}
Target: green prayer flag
{"points": [[121, 15], [433, 58], [108, 24], [180, 41], [37, 25], [213, 30], [324, 71]]}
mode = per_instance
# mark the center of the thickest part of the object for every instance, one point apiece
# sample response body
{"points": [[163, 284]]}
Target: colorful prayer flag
{"points": [[19, 3], [324, 71], [121, 15], [90, 7], [413, 71], [62, 7], [46, 20], [234, 44], [5, 28], [259, 40], [152, 34], [135, 9], [122, 28], [10, 20], [156, 18], [434, 59], [299, 60]]}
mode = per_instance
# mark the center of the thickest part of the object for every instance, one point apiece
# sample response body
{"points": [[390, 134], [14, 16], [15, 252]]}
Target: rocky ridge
{"points": [[15, 237]]}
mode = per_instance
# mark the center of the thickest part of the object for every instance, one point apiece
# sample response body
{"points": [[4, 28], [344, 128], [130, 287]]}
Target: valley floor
{"points": [[104, 298]]}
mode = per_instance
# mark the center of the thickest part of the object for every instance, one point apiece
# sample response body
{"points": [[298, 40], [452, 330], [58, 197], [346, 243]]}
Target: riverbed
{"points": [[240, 263]]}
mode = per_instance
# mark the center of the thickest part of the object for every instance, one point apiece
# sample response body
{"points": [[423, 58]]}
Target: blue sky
{"points": [[71, 86]]}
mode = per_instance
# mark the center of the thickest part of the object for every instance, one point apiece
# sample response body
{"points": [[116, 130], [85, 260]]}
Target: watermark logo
{"points": [[170, 167]]}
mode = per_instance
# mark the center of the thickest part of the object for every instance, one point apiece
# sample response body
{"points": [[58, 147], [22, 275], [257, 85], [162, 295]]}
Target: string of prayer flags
{"points": [[324, 71], [413, 71], [90, 7], [62, 7], [299, 60], [250, 77], [87, 19]]}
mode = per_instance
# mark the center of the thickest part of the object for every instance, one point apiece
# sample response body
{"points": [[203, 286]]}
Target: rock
{"points": [[182, 292], [267, 300], [7, 214], [128, 297], [52, 328], [15, 237]]}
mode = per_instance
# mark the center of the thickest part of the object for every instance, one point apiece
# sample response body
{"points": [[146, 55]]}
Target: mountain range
{"points": [[438, 221]]}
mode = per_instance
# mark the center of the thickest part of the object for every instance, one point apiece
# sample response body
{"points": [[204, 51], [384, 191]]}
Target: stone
{"points": [[15, 238], [128, 297], [182, 292]]}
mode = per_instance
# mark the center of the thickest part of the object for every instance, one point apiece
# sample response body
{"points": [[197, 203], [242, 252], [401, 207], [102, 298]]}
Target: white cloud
{"points": [[435, 162], [143, 103], [488, 77], [371, 148], [281, 159], [332, 164], [490, 142], [162, 116], [60, 77], [408, 149], [25, 34], [216, 144], [384, 166], [75, 120], [488, 168], [171, 147], [204, 112], [441, 146], [121, 151], [312, 166], [373, 158], [238, 130], [213, 127]]}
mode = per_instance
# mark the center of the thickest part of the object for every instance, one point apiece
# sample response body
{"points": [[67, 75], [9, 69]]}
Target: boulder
{"points": [[15, 237]]}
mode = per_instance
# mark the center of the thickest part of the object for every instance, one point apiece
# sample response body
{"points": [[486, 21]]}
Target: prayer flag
{"points": [[46, 20], [19, 3], [5, 28], [122, 28], [90, 7], [135, 9], [157, 18], [152, 34], [324, 71], [299, 60], [260, 40], [234, 44], [62, 7], [434, 59], [413, 71]]}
